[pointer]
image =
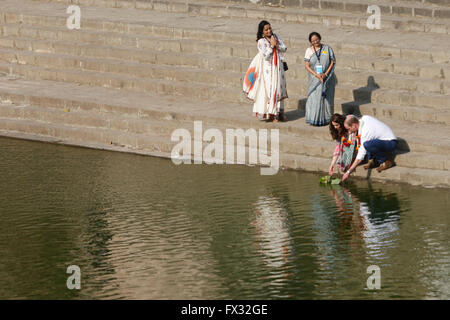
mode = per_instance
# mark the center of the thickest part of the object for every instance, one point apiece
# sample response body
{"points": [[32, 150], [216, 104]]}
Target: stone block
{"points": [[402, 11], [436, 28], [144, 5], [330, 20], [275, 16], [311, 18], [10, 30], [353, 7], [237, 12], [13, 18], [310, 4], [423, 12], [291, 3], [442, 13], [9, 43], [406, 69]]}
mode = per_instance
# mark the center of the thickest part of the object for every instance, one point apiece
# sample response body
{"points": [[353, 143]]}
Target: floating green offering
{"points": [[325, 179], [336, 181], [329, 180]]}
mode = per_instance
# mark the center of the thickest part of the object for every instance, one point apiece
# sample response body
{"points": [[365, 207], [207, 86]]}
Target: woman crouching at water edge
{"points": [[319, 62], [345, 150], [265, 82]]}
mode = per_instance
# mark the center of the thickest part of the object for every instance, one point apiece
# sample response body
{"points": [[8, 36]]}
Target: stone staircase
{"points": [[138, 70], [405, 15]]}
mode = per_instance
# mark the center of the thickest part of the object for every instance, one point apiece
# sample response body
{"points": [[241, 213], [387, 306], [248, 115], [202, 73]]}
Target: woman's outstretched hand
{"points": [[331, 171], [345, 177]]}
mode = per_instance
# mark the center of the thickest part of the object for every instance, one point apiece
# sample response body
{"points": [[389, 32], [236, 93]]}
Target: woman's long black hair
{"points": [[337, 134], [261, 26]]}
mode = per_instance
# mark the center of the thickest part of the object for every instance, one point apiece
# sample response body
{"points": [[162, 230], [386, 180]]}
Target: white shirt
{"points": [[310, 51], [371, 129]]}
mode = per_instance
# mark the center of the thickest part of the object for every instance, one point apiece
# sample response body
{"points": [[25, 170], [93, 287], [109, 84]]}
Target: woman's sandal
{"points": [[271, 118]]}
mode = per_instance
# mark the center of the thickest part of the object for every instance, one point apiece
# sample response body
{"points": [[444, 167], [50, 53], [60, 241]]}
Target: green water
{"points": [[143, 228]]}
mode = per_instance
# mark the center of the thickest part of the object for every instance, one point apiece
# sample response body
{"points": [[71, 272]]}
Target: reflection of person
{"points": [[319, 62], [373, 216], [344, 152], [348, 206], [272, 229], [376, 138], [265, 81]]}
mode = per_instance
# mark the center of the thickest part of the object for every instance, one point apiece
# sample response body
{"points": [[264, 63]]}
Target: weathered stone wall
{"points": [[317, 3], [423, 7]]}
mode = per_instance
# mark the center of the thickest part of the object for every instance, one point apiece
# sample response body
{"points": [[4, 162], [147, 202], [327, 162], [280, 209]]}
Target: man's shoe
{"points": [[385, 165], [371, 164]]}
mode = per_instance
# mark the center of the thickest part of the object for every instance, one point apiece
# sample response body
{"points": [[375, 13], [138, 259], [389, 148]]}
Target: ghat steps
{"points": [[129, 77], [406, 15], [141, 123]]}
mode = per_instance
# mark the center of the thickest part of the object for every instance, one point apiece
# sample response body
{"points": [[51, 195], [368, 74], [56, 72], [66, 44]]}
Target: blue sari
{"points": [[320, 103]]}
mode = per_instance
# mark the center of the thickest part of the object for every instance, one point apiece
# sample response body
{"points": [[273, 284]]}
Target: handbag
{"points": [[285, 66]]}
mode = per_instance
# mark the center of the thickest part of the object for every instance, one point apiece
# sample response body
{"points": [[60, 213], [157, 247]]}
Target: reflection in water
{"points": [[143, 228], [364, 227], [376, 228], [273, 238], [324, 235]]}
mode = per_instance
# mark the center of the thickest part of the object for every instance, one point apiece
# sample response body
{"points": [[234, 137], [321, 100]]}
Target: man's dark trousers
{"points": [[376, 149]]}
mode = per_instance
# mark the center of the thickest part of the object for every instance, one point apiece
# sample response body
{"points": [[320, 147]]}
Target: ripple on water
{"points": [[143, 228]]}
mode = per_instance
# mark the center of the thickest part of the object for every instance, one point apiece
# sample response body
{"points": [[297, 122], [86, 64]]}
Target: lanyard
{"points": [[320, 53]]}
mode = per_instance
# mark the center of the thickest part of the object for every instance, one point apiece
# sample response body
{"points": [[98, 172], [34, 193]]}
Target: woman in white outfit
{"points": [[265, 82]]}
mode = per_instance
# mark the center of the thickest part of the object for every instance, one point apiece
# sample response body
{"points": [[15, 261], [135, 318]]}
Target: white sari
{"points": [[265, 82]]}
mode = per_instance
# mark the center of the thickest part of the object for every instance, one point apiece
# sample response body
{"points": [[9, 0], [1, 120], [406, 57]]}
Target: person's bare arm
{"points": [[333, 163], [351, 169], [327, 73]]}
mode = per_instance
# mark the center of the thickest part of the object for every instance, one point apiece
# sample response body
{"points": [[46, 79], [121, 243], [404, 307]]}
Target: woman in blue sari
{"points": [[320, 62]]}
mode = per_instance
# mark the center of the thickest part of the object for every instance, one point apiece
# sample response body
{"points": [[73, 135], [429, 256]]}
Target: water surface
{"points": [[143, 228]]}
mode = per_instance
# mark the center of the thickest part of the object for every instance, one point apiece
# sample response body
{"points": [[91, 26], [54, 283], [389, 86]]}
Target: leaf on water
{"points": [[325, 179], [336, 181]]}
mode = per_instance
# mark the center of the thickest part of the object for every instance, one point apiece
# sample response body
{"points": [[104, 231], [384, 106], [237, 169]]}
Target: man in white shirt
{"points": [[375, 139]]}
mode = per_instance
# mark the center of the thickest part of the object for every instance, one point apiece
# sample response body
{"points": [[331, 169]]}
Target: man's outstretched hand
{"points": [[345, 176]]}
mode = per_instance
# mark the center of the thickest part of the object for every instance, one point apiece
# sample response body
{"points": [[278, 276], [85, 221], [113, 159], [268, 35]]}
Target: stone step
{"points": [[407, 8], [332, 13], [443, 3], [166, 39], [49, 95], [174, 26], [409, 80], [87, 136], [154, 145], [394, 7], [385, 111], [219, 63], [225, 78], [188, 33], [344, 102], [213, 87], [288, 143]]}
